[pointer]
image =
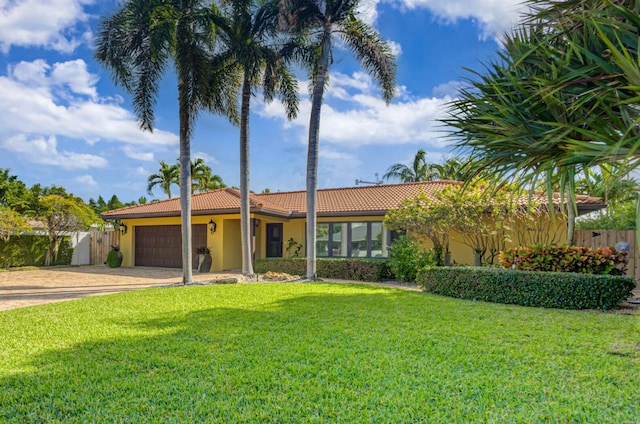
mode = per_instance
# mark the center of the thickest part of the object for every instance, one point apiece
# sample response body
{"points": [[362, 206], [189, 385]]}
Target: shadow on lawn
{"points": [[219, 364], [318, 357]]}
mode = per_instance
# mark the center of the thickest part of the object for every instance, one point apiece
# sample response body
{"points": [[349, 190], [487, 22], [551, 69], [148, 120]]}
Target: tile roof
{"points": [[373, 200]]}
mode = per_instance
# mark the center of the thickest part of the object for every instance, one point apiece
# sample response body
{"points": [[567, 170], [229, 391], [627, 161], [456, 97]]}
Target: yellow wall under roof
{"points": [[225, 243]]}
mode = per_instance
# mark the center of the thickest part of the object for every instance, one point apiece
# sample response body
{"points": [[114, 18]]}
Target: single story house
{"points": [[350, 224]]}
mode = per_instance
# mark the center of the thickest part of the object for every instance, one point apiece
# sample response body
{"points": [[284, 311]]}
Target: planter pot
{"points": [[205, 265]]}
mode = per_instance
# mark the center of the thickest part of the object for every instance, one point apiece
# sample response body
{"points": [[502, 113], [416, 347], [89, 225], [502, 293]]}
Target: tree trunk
{"points": [[312, 155], [571, 217], [245, 205], [185, 182]]}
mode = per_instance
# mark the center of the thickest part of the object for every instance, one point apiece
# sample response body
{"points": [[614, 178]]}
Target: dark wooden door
{"points": [[161, 245], [274, 240]]}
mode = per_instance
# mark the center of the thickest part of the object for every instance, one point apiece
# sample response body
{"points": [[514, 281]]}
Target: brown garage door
{"points": [[161, 245]]}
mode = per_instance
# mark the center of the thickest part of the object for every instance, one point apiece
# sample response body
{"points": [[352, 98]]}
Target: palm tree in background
{"points": [[419, 170], [453, 169], [249, 32], [164, 178], [138, 43], [317, 22], [203, 179]]}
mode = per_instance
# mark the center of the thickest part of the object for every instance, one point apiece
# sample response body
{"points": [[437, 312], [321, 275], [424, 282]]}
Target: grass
{"points": [[314, 353]]}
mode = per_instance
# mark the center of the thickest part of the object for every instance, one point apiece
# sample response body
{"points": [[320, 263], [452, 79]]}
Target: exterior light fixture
{"points": [[123, 228], [212, 226]]}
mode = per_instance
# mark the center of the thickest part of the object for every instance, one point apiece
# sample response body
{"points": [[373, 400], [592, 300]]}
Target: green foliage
{"points": [[293, 248], [347, 268], [422, 217], [112, 258], [312, 353], [619, 216], [534, 288], [585, 260], [406, 258], [30, 250], [11, 223]]}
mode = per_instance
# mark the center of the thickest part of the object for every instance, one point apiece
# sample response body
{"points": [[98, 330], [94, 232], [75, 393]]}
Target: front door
{"points": [[274, 240]]}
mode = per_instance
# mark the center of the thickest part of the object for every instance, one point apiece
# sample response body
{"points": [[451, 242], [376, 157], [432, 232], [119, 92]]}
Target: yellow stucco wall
{"points": [[545, 230], [226, 250]]}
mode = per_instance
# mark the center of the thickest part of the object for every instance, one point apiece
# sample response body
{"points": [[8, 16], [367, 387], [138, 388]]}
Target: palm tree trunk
{"points": [[185, 182], [312, 154], [245, 205]]}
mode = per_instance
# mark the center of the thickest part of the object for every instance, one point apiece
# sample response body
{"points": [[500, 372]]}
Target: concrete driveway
{"points": [[33, 287]]}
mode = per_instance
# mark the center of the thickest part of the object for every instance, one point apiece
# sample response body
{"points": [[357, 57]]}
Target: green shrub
{"points": [[31, 250], [345, 268], [65, 253], [534, 288], [605, 260], [406, 258]]}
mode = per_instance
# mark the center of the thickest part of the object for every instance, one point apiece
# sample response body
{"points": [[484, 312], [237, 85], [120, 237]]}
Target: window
{"points": [[378, 241], [354, 239], [322, 240]]}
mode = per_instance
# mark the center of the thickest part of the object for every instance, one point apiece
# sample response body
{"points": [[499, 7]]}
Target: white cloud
{"points": [[74, 74], [207, 158], [492, 16], [362, 118], [141, 171], [42, 23], [367, 11], [45, 151], [86, 180], [41, 100], [133, 153], [448, 89]]}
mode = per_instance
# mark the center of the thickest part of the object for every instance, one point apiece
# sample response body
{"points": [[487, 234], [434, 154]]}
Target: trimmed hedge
{"points": [[531, 288], [31, 250], [345, 268]]}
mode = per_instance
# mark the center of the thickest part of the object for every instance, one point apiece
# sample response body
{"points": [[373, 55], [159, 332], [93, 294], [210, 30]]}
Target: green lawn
{"points": [[322, 353]]}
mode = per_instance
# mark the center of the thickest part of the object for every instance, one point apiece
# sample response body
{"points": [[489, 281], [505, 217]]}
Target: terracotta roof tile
{"points": [[350, 200]]}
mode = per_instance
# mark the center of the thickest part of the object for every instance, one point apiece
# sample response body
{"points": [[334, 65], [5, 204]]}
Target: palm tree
{"points": [[203, 179], [137, 44], [165, 177], [452, 169], [419, 170], [249, 33], [318, 21]]}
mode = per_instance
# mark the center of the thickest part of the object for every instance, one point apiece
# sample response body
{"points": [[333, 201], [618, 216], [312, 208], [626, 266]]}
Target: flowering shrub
{"points": [[584, 260]]}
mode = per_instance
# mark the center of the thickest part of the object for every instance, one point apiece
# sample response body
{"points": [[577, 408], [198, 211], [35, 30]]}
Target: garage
{"points": [[160, 245]]}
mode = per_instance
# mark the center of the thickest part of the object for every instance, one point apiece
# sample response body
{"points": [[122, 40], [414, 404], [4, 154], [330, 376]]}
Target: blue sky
{"points": [[64, 122]]}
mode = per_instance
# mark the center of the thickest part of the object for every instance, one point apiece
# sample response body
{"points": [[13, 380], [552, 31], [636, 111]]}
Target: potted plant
{"points": [[204, 258], [114, 257]]}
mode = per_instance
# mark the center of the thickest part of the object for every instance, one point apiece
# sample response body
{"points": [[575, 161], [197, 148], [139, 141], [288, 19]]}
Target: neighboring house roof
{"points": [[365, 200]]}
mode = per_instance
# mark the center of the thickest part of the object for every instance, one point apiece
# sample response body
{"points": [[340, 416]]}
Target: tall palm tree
{"points": [[165, 177], [137, 44], [419, 170], [318, 21], [249, 32]]}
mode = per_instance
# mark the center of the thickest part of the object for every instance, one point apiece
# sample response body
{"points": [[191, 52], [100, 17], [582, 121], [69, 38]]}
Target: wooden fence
{"points": [[602, 238], [101, 242]]}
